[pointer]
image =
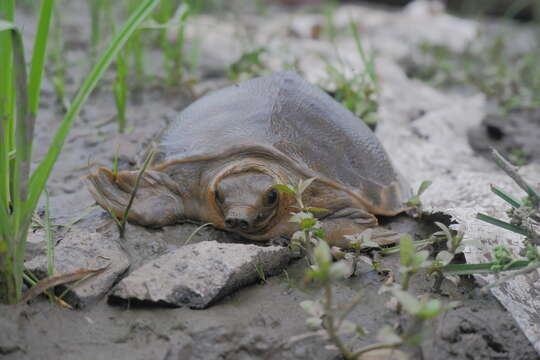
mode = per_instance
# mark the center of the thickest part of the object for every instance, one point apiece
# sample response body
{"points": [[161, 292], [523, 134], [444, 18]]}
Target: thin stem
{"points": [[372, 347], [122, 226], [532, 266], [50, 240], [330, 321], [512, 171]]}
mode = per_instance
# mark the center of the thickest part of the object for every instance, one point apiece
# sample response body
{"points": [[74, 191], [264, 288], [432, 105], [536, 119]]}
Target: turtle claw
{"points": [[156, 202], [106, 192], [384, 236]]}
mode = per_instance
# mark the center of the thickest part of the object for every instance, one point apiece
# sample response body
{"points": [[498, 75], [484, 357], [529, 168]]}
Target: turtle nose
{"points": [[239, 218], [235, 223]]}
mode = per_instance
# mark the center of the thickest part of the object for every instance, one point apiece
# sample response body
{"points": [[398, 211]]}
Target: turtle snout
{"points": [[239, 219], [232, 223]]}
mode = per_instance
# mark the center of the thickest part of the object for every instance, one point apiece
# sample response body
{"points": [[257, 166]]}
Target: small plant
{"points": [[168, 15], [329, 320], [310, 232], [414, 201], [454, 246], [511, 80], [411, 260], [359, 92], [249, 65]]}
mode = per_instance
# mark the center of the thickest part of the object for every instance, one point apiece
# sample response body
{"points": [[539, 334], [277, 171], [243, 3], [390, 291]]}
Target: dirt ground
{"points": [[256, 322]]}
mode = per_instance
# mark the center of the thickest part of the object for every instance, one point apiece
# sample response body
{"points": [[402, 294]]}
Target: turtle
{"points": [[219, 160]]}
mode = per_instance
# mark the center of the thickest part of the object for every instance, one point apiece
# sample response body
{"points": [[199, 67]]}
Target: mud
{"points": [[514, 134], [256, 322]]}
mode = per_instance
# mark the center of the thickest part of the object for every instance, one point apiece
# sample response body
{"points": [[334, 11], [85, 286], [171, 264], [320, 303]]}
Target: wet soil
{"points": [[257, 322]]}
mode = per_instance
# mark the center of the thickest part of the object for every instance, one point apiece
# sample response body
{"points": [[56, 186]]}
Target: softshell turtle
{"points": [[218, 162]]}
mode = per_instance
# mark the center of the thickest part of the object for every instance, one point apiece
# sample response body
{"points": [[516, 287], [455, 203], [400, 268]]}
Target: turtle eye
{"points": [[218, 196], [271, 196]]}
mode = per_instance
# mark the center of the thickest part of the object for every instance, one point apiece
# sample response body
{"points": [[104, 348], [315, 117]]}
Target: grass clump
{"points": [[20, 190], [358, 92], [508, 78], [249, 65]]}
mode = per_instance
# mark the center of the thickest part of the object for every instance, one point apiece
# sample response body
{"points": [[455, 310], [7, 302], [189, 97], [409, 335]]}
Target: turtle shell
{"points": [[286, 114]]}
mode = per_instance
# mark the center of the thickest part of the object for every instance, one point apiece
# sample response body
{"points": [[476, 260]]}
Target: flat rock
{"points": [[85, 250], [197, 275]]}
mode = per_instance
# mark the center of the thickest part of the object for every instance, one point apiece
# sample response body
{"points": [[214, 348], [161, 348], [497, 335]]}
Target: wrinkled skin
{"points": [[218, 162]]}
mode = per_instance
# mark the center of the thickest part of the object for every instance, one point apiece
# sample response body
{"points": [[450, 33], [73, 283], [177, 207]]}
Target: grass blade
{"points": [[502, 224], [41, 174], [512, 171], [122, 224], [469, 269], [50, 282], [7, 117], [506, 197], [50, 240], [38, 55], [16, 234]]}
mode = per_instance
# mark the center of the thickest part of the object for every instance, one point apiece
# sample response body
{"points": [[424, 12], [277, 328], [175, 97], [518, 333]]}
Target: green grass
{"points": [[121, 88], [508, 78], [359, 92], [57, 59], [20, 190]]}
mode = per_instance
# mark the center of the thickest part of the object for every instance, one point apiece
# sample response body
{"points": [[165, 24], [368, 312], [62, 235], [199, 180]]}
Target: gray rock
{"points": [[85, 250], [199, 274]]}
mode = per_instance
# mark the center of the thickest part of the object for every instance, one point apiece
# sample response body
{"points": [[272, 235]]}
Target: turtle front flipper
{"points": [[336, 230], [352, 221], [157, 201]]}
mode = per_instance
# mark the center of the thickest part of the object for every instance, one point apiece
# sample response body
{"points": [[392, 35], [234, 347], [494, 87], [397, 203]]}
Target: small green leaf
{"points": [[314, 323], [316, 209], [283, 188], [313, 308], [340, 270], [303, 185], [420, 258], [307, 224], [430, 309], [318, 232], [409, 302], [447, 234], [444, 257], [322, 254], [423, 187], [406, 250], [387, 335]]}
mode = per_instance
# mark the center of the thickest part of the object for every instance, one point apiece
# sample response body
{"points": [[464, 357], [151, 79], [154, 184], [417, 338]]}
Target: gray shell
{"points": [[284, 112]]}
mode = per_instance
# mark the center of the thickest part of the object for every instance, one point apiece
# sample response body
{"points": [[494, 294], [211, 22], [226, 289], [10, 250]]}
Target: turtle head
{"points": [[247, 200]]}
